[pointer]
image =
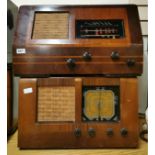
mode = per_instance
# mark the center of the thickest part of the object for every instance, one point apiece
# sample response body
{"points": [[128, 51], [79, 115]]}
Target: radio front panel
{"points": [[78, 113], [57, 40]]}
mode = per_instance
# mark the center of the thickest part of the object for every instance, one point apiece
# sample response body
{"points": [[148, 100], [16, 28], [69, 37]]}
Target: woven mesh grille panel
{"points": [[50, 26], [56, 104]]}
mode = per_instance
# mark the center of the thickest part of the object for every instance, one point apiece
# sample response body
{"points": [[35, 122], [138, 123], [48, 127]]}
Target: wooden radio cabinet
{"points": [[53, 113], [78, 68], [78, 40]]}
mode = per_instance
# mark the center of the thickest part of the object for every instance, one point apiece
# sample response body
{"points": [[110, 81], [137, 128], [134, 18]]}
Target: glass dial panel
{"points": [[101, 103], [103, 29]]}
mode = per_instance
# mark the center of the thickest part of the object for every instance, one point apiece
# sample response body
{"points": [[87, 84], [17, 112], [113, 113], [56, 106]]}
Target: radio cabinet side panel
{"points": [[129, 106], [22, 30], [134, 25], [27, 100]]}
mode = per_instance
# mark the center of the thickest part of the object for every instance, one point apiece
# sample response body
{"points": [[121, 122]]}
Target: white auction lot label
{"points": [[20, 50], [28, 90]]}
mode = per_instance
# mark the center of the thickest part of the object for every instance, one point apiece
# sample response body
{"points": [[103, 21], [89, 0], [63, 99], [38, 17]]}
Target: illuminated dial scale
{"points": [[105, 29]]}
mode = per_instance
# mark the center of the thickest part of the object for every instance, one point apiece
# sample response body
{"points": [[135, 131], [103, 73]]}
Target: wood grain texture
{"points": [[13, 149], [49, 56]]}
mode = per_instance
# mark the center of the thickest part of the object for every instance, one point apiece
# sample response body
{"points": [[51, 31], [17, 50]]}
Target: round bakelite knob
{"points": [[77, 132], [71, 63], [87, 56], [110, 132], [115, 55], [91, 132], [131, 62], [124, 131]]}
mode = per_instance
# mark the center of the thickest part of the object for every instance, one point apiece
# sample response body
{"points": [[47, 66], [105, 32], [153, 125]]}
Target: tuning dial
{"points": [[110, 132], [91, 132], [87, 56], [124, 131], [71, 63], [115, 55], [77, 132], [131, 62]]}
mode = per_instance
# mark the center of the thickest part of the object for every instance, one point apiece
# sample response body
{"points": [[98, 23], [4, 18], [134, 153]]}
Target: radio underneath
{"points": [[78, 112]]}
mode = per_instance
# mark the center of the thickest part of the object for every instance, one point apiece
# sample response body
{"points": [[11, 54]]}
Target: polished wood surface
{"points": [[49, 56], [13, 149], [35, 59], [61, 134]]}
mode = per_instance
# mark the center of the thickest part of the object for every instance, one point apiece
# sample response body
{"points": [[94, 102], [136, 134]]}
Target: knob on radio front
{"points": [[110, 132], [115, 55], [71, 63], [131, 62], [87, 56], [91, 132], [124, 132], [77, 132]]}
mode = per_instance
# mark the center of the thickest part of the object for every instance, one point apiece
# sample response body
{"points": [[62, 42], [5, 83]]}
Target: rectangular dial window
{"points": [[103, 29], [101, 103]]}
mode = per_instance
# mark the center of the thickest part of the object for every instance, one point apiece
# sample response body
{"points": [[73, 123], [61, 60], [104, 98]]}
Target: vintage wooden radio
{"points": [[78, 68]]}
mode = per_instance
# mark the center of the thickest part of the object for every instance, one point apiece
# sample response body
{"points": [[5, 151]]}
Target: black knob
{"points": [[115, 55], [124, 131], [77, 132], [131, 62], [87, 56], [110, 132], [91, 132], [71, 63]]}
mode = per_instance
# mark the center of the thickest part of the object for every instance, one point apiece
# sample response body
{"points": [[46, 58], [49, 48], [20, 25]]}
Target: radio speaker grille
{"points": [[50, 26], [56, 104]]}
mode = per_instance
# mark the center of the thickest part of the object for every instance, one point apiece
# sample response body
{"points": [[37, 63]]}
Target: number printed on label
{"points": [[27, 90], [20, 50]]}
